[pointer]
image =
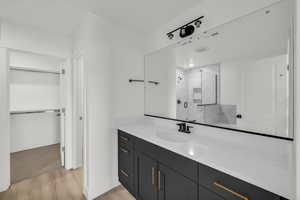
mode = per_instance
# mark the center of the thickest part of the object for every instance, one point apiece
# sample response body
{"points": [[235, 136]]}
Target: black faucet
{"points": [[184, 128]]}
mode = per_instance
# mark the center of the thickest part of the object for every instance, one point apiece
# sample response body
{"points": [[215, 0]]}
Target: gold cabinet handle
{"points": [[230, 191], [123, 150], [124, 173], [159, 184], [153, 172], [124, 138]]}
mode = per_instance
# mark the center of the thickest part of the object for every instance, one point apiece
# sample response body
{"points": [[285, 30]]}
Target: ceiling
{"points": [[142, 15], [51, 15], [63, 16]]}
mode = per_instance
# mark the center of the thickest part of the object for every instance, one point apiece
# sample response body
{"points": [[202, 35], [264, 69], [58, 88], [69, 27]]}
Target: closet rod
{"points": [[34, 111], [27, 69]]}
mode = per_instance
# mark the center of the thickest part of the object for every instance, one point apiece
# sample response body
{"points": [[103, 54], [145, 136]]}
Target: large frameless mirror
{"points": [[237, 76]]}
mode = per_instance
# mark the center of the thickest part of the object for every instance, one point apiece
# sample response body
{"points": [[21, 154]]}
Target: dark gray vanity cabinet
{"points": [[150, 172]]}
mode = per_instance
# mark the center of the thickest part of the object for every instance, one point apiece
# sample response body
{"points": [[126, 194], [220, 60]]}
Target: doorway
{"points": [[37, 114]]}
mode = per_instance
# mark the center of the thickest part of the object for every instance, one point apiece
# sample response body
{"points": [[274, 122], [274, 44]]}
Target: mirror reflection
{"points": [[238, 75]]}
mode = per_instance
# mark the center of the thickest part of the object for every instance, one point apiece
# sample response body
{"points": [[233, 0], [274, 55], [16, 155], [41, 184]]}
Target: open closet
{"points": [[37, 114]]}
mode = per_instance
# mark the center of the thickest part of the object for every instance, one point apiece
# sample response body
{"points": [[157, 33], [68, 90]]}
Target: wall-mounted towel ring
{"points": [[154, 82], [139, 80]]}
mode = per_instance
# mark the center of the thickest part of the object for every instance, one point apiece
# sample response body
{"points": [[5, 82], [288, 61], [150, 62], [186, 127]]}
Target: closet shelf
{"points": [[32, 69], [19, 112]]}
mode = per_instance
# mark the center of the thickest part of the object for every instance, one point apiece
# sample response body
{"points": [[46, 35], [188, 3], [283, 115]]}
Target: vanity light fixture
{"points": [[198, 23], [187, 29], [170, 36]]}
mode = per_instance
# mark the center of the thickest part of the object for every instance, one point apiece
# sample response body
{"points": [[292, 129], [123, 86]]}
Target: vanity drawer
{"points": [[205, 194], [126, 179], [124, 139], [182, 165], [231, 188], [125, 159]]}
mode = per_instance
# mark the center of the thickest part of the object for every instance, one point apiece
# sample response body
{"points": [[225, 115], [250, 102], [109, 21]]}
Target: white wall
{"points": [[33, 130], [297, 102], [34, 91], [160, 99], [32, 39], [24, 38], [112, 55], [4, 121], [30, 91], [91, 42]]}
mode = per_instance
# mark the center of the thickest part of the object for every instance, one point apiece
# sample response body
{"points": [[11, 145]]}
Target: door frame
{"points": [[79, 71]]}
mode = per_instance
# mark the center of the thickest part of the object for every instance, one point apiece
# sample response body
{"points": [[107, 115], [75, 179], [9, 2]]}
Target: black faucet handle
{"points": [[182, 127], [188, 129]]}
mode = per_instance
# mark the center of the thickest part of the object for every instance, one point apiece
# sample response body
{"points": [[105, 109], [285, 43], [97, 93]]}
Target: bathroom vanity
{"points": [[161, 164], [234, 84]]}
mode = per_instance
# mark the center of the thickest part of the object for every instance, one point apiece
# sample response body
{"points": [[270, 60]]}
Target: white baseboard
{"points": [[86, 194]]}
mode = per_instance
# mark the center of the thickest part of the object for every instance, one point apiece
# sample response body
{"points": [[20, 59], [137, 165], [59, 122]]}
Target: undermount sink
{"points": [[173, 137]]}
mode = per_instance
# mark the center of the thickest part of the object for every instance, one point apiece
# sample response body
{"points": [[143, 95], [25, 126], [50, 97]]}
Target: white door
{"points": [[79, 102], [263, 104], [62, 114]]}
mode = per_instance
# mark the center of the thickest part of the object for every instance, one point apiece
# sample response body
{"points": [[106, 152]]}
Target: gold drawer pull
{"points": [[231, 191], [153, 172], [124, 138], [124, 173], [159, 184], [123, 150]]}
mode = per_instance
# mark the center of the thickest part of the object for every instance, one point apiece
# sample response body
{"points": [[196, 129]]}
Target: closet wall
{"points": [[32, 91]]}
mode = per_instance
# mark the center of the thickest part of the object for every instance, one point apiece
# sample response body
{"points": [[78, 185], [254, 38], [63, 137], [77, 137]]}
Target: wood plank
{"points": [[60, 184]]}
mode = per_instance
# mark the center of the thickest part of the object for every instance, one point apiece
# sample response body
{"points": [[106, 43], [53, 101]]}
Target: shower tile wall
{"points": [[220, 114], [188, 109], [228, 114]]}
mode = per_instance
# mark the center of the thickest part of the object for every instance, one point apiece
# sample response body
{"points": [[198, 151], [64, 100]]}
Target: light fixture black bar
{"points": [[135, 80], [199, 18], [154, 82]]}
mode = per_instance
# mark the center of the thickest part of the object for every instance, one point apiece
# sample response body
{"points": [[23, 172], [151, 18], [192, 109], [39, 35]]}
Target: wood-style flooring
{"points": [[33, 162], [55, 185], [118, 193], [58, 185]]}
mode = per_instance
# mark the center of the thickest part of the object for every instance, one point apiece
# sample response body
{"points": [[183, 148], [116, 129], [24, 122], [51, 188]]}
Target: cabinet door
{"points": [[174, 186], [146, 177]]}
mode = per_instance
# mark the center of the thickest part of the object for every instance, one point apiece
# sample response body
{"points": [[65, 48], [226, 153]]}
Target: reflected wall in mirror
{"points": [[238, 75]]}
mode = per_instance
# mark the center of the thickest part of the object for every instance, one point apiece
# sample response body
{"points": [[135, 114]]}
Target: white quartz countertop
{"points": [[261, 161]]}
